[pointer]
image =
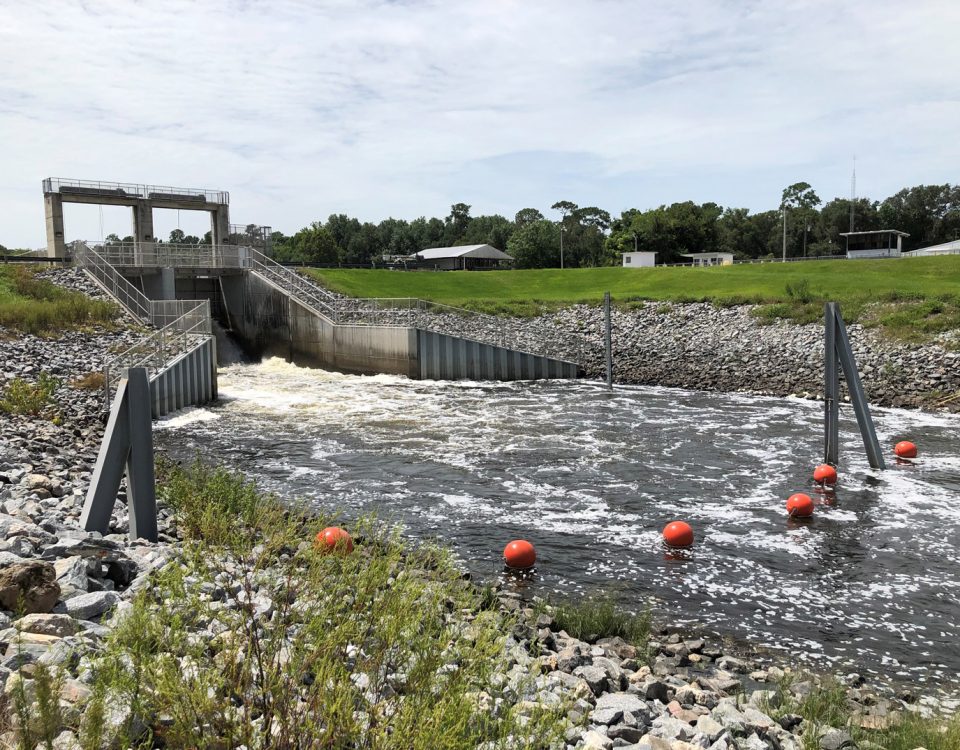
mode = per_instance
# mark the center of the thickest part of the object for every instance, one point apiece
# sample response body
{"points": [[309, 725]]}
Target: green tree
{"points": [[315, 244], [536, 245], [527, 216], [930, 213], [800, 200], [176, 237], [457, 223]]}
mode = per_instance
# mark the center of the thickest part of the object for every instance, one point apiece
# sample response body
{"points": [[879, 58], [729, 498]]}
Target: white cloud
{"points": [[374, 108]]}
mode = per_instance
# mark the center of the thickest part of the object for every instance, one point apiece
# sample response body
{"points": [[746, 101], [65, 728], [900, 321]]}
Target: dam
{"points": [[180, 290]]}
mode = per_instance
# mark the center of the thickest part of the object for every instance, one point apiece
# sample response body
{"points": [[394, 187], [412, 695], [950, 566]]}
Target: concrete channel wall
{"points": [[273, 323], [189, 380]]}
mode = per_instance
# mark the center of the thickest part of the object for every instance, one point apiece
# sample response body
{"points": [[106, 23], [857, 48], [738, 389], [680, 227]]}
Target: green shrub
{"points": [[799, 291], [32, 399]]}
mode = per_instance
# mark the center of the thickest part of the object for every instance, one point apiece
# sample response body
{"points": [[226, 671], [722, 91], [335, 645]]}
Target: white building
{"points": [[639, 260], [710, 259], [947, 248], [879, 243], [462, 257]]}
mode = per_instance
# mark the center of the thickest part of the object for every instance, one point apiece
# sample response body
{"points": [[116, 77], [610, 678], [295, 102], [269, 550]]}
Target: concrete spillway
{"points": [[274, 311]]}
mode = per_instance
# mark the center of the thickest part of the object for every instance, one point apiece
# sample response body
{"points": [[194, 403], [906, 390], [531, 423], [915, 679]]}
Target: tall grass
{"points": [[599, 616], [827, 705], [386, 647], [29, 304]]}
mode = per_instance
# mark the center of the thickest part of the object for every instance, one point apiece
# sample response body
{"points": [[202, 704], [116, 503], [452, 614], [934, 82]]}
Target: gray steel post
{"points": [[108, 471], [860, 406], [141, 485], [607, 338], [831, 387]]}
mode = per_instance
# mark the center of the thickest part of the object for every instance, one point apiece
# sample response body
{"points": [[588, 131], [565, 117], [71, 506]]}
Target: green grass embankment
{"points": [[33, 305], [910, 298]]}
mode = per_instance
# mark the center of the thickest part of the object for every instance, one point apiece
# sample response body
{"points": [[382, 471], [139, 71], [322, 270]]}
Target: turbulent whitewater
{"points": [[591, 477]]}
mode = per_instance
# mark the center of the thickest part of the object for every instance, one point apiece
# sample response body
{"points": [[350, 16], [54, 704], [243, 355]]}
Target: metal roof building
{"points": [[461, 257], [877, 243]]}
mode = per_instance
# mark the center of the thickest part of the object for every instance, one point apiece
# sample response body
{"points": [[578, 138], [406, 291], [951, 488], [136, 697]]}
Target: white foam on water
{"points": [[188, 416]]}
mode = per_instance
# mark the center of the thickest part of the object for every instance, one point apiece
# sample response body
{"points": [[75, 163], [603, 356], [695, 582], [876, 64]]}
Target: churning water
{"points": [[591, 477]]}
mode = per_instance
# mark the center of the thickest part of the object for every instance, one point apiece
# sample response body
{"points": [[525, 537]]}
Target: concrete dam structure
{"points": [[269, 308]]}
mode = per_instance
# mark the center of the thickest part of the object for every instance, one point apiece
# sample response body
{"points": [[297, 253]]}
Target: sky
{"points": [[373, 108]]}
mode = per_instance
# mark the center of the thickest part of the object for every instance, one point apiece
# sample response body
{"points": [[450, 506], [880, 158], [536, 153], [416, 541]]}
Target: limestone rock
{"points": [[31, 585]]}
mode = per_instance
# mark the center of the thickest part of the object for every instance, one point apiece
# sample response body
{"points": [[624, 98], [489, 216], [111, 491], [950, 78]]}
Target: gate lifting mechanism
{"points": [[838, 352]]}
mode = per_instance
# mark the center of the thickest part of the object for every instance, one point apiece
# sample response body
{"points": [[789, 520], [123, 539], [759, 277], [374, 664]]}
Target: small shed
{"points": [[464, 257], [878, 243], [643, 259], [710, 259]]}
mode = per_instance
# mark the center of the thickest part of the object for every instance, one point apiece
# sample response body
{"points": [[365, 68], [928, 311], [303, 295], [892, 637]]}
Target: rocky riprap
{"points": [[702, 347], [699, 346]]}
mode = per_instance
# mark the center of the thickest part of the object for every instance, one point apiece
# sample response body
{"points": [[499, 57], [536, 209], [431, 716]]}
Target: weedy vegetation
{"points": [[253, 637], [32, 399], [29, 304]]}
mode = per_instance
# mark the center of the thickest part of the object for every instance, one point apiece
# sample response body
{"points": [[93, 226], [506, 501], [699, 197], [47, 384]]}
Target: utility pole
{"points": [[634, 242], [784, 209], [562, 230]]}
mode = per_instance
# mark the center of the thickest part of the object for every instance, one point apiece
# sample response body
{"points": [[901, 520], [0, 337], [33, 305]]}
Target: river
{"points": [[871, 584]]}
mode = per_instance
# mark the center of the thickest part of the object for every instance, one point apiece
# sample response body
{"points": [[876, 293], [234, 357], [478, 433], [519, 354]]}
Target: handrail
{"points": [[157, 350], [174, 255], [133, 190], [130, 298], [305, 292]]}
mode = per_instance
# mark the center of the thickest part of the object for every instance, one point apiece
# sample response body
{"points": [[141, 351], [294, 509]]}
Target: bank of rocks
{"points": [[728, 349]]}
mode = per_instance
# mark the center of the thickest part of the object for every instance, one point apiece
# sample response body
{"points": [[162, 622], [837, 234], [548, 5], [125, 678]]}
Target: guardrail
{"points": [[130, 298], [173, 255], [309, 294], [133, 190], [158, 349]]}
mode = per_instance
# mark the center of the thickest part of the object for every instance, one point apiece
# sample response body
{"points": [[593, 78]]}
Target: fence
{"points": [[129, 297], [172, 255], [155, 351], [133, 190], [311, 295]]}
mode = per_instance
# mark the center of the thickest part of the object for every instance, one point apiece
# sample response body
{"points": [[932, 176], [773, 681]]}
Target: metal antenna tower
{"points": [[853, 191]]}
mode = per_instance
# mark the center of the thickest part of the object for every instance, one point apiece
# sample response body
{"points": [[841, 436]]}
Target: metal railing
{"points": [[126, 294], [173, 255], [305, 292], [157, 350], [133, 190]]}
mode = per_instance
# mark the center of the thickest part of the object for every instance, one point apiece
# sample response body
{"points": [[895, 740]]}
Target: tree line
{"points": [[589, 236]]}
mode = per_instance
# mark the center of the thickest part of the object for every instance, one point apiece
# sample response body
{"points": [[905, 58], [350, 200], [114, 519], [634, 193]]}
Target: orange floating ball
{"points": [[905, 449], [678, 534], [334, 539], [799, 506], [520, 554], [825, 474]]}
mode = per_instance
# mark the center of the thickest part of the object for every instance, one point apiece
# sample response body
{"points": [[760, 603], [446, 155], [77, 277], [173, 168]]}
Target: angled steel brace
{"points": [[127, 444], [839, 354]]}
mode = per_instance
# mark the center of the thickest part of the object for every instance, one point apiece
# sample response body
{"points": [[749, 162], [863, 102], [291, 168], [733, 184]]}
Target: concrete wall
{"points": [[273, 324], [190, 380]]}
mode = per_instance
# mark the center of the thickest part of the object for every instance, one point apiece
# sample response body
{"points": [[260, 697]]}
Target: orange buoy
{"points": [[520, 554], [334, 539], [678, 534], [825, 474], [905, 449], [799, 506]]}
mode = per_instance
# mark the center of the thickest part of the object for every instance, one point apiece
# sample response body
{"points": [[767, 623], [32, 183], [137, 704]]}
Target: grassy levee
{"points": [[29, 304], [253, 637], [911, 298]]}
